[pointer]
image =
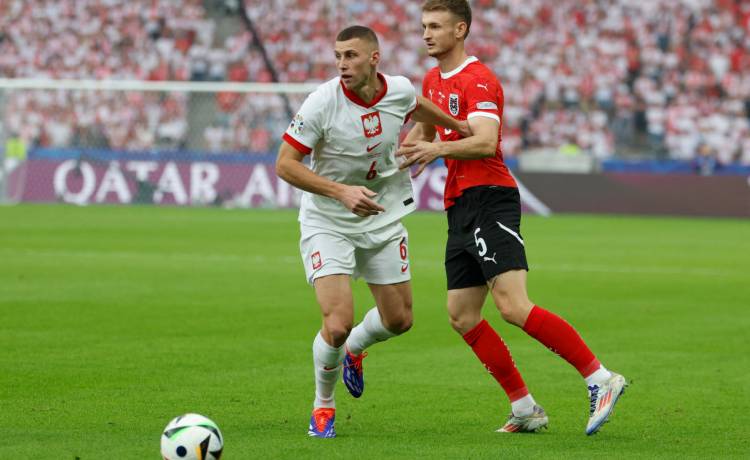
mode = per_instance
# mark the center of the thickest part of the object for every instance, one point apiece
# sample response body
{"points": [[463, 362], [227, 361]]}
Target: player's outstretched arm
{"points": [[481, 144], [428, 113], [357, 199], [420, 132]]}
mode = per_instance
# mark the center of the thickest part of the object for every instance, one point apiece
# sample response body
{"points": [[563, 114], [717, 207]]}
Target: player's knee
{"points": [[405, 323], [456, 324], [512, 310], [338, 331], [511, 301], [338, 336], [462, 322], [398, 324], [507, 312]]}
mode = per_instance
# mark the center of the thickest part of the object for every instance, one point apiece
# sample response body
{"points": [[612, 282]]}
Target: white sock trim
{"points": [[524, 406], [599, 377]]}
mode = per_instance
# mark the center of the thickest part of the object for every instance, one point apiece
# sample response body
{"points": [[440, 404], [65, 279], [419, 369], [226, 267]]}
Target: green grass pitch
{"points": [[113, 320]]}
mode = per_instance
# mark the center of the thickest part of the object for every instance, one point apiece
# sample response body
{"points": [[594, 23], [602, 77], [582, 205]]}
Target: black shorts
{"points": [[484, 236]]}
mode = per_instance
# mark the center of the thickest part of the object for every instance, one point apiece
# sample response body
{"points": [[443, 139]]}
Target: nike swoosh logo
{"points": [[404, 268], [370, 149]]}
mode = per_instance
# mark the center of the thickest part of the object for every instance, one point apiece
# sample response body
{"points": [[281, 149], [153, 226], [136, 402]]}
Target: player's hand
{"points": [[464, 129], [420, 153], [358, 200]]}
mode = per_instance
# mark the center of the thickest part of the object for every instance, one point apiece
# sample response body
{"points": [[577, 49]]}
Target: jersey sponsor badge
{"points": [[297, 125], [486, 106], [317, 262], [453, 104], [371, 124]]}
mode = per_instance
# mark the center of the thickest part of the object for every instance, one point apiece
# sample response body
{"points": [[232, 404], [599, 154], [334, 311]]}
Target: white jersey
{"points": [[354, 143]]}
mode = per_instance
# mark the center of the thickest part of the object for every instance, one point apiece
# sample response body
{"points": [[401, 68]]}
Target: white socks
{"points": [[524, 406], [599, 377], [327, 364], [327, 359], [368, 332]]}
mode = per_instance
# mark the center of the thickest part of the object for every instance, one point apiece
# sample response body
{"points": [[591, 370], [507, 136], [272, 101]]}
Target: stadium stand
{"points": [[100, 39], [662, 76], [610, 76]]}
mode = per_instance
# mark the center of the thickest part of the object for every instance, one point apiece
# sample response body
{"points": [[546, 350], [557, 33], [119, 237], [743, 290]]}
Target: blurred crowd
{"points": [[101, 39], [668, 77], [671, 77]]}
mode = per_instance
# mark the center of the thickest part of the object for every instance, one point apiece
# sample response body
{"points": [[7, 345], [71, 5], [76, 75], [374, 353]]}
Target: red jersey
{"points": [[469, 91]]}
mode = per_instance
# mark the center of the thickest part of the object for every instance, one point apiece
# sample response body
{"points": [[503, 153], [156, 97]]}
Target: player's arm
{"points": [[430, 114], [357, 199], [420, 132], [481, 144]]}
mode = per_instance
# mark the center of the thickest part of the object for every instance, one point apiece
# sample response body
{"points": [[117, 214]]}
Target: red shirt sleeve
{"points": [[484, 98]]}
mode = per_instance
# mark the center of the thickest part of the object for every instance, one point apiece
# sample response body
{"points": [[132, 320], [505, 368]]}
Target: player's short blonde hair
{"points": [[459, 8]]}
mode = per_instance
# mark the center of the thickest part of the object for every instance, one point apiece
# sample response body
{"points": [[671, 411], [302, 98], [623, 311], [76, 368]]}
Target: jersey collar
{"points": [[458, 69], [352, 96]]}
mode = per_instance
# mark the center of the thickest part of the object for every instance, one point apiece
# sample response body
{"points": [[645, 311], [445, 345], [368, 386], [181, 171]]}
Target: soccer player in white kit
{"points": [[355, 196]]}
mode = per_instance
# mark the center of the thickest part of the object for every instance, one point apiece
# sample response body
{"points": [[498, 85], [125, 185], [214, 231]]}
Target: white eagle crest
{"points": [[372, 124]]}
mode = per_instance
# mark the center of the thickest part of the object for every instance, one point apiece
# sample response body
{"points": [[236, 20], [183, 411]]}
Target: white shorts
{"points": [[379, 257]]}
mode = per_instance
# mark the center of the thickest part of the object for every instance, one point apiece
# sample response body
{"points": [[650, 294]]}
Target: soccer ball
{"points": [[191, 437]]}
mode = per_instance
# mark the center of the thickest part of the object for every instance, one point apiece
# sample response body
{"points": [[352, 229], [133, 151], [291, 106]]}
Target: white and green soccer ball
{"points": [[191, 437]]}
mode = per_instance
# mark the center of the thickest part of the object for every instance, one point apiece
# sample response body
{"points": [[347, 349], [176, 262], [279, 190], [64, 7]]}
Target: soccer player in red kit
{"points": [[485, 250]]}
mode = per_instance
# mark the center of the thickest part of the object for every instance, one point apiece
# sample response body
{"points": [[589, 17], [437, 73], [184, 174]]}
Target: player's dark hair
{"points": [[459, 8], [361, 32]]}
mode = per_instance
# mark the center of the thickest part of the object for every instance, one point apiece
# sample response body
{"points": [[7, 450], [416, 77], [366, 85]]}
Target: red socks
{"points": [[560, 337], [492, 352], [549, 329]]}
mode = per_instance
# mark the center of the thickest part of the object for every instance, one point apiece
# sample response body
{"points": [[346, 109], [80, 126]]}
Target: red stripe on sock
{"points": [[560, 337], [494, 354]]}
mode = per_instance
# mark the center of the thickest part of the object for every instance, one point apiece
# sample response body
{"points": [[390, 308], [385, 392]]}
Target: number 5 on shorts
{"points": [[480, 243]]}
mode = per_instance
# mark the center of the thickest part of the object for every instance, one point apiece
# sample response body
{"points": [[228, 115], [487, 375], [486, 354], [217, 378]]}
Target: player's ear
{"points": [[460, 30], [375, 57]]}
